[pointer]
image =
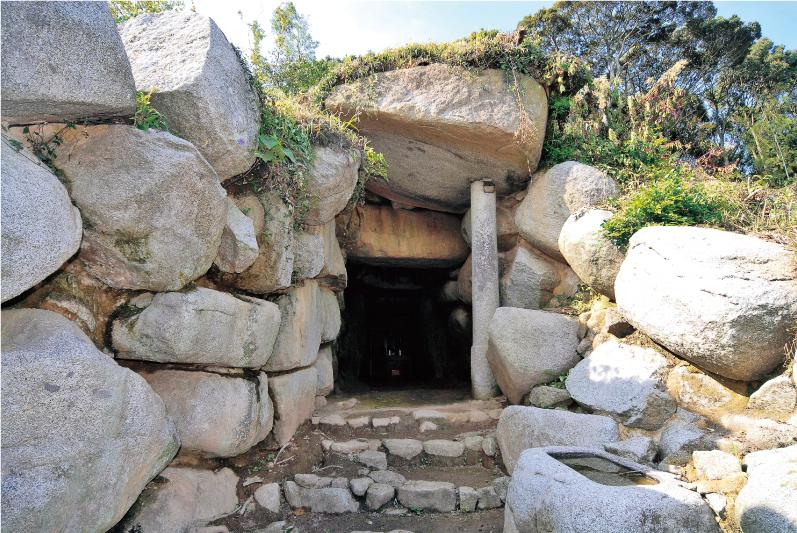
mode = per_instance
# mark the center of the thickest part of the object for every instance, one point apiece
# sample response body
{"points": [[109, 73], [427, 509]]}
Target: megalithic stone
{"points": [[484, 250]]}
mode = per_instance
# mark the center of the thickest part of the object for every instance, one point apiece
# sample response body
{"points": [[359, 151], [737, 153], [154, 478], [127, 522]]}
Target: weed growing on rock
{"points": [[146, 116]]}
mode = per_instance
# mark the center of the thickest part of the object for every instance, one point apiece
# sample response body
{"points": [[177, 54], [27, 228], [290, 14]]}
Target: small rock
{"points": [[428, 496], [717, 502], [268, 496], [353, 446], [386, 477], [378, 495], [326, 500], [360, 485], [404, 448], [681, 437], [776, 397], [339, 483], [547, 397], [426, 414], [348, 404], [477, 417], [274, 527], [488, 499], [473, 443], [358, 422], [308, 481], [443, 448], [385, 422], [639, 449], [489, 446], [468, 498], [501, 485], [715, 464], [334, 420], [251, 481], [373, 459], [427, 425]]}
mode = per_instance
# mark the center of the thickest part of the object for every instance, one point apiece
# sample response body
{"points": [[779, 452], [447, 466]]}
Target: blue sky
{"points": [[353, 27]]}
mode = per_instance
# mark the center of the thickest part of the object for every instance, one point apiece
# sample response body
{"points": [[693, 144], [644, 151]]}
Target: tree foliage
{"points": [[292, 65], [125, 9]]}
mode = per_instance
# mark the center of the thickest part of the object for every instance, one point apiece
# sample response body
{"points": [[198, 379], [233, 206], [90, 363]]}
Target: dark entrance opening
{"points": [[400, 330]]}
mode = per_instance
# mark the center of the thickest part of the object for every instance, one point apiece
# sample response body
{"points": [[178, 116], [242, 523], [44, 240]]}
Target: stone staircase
{"points": [[384, 468]]}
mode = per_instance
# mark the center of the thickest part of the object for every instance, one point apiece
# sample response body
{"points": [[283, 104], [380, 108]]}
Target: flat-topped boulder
{"points": [[183, 499], [153, 212], [724, 301], [441, 127], [197, 83], [530, 347], [626, 382], [80, 70], [41, 227], [381, 235], [198, 326], [82, 436], [520, 428], [216, 415]]}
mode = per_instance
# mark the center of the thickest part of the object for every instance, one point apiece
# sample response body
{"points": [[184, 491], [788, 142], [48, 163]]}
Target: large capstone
{"points": [[546, 494], [627, 382], [216, 415], [273, 224], [440, 127], [724, 301], [82, 436], [153, 209], [198, 326], [556, 194], [63, 61], [331, 182], [381, 235], [293, 394], [530, 427], [198, 83], [41, 228], [593, 257], [530, 347]]}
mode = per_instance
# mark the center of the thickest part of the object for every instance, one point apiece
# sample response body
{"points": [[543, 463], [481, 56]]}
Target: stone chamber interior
{"points": [[401, 332]]}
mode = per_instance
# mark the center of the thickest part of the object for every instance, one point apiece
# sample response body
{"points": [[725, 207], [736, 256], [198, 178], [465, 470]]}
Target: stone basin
{"points": [[587, 489]]}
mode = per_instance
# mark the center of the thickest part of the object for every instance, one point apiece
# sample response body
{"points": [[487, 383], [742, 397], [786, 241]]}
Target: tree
{"points": [[292, 65], [124, 9], [625, 41]]}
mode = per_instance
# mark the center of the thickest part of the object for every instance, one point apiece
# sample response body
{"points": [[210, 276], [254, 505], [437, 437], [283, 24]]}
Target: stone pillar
{"points": [[484, 250]]}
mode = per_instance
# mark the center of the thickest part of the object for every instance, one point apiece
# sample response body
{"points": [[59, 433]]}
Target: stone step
{"points": [[389, 492], [420, 420], [462, 449]]}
